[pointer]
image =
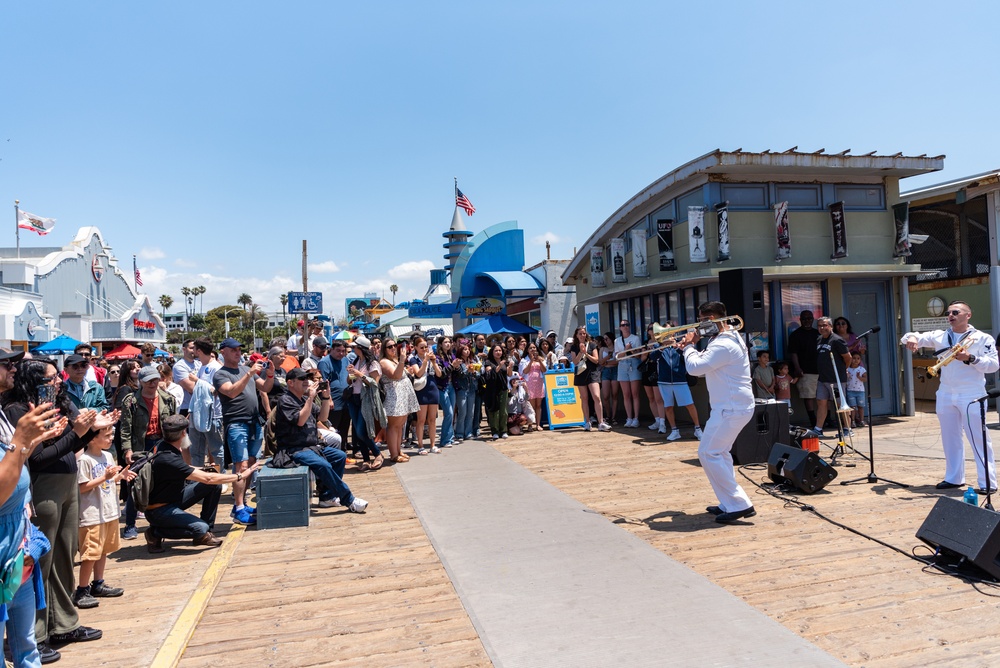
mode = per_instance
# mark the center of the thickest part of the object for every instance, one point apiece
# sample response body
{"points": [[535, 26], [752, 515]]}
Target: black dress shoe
{"points": [[944, 484], [47, 654], [79, 634], [982, 491], [726, 518], [715, 510]]}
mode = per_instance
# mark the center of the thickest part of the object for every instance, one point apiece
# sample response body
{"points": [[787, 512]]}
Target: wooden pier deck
{"points": [[368, 590]]}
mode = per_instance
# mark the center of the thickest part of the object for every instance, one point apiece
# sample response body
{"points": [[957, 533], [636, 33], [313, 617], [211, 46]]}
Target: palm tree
{"points": [[166, 301], [284, 302], [186, 291], [393, 289], [244, 300], [201, 292]]}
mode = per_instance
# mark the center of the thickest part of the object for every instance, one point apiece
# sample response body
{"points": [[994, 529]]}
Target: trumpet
{"points": [[949, 357], [670, 336]]}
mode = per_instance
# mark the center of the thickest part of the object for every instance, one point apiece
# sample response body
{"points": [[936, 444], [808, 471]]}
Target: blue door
{"points": [[866, 304]]}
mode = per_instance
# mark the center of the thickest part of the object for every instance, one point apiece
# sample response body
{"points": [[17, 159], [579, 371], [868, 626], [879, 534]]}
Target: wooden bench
{"points": [[282, 497]]}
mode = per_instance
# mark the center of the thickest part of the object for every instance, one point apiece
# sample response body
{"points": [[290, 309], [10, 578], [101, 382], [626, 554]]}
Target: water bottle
{"points": [[971, 497]]}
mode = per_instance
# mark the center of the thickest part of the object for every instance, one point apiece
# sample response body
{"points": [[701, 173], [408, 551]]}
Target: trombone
{"points": [[669, 336]]}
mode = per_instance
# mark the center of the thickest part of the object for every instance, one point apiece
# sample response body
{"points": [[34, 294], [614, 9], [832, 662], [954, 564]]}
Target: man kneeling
{"points": [[177, 486], [295, 430]]}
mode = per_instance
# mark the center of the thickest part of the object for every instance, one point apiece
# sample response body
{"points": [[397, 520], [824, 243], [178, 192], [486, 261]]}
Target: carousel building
{"points": [[77, 290]]}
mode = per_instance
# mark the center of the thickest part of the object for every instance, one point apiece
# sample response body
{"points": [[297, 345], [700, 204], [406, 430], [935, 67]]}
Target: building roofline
{"points": [[949, 187], [767, 161]]}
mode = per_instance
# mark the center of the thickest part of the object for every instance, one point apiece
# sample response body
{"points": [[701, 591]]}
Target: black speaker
{"points": [[742, 291], [966, 530], [768, 426], [800, 468]]}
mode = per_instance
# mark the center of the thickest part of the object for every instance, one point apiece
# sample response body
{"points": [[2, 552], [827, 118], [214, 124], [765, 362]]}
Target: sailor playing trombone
{"points": [[966, 355]]}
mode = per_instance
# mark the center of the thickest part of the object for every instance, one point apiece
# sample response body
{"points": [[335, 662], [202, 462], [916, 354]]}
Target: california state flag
{"points": [[29, 221]]}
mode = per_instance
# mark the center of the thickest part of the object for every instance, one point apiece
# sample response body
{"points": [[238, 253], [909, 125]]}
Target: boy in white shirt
{"points": [[97, 474]]}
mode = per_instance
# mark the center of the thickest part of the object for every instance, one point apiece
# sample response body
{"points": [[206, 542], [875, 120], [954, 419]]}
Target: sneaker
{"points": [[817, 432], [153, 542], [604, 426], [449, 444], [130, 533], [674, 435], [358, 505], [423, 451], [244, 516], [505, 435], [634, 423], [662, 429], [330, 503], [495, 436], [140, 516], [47, 654], [101, 590], [82, 599], [698, 433], [435, 450], [586, 426], [250, 509], [655, 425]]}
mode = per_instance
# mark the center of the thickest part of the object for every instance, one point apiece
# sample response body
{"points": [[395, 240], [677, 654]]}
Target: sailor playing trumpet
{"points": [[966, 355]]}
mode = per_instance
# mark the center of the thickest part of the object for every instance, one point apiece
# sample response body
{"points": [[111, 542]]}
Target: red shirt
{"points": [[153, 405]]}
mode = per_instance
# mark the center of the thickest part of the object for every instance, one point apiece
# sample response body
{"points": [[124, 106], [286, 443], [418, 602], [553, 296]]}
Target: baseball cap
{"points": [[296, 374], [363, 342], [552, 332], [74, 359], [230, 343], [321, 342], [6, 355], [148, 373]]}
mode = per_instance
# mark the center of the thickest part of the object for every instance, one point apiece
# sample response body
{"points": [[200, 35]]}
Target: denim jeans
{"points": [[362, 441], [477, 414], [446, 399], [465, 403], [170, 521], [208, 443], [21, 627], [329, 470]]}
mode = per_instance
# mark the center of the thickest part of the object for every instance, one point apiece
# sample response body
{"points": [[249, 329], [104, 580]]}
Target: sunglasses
{"points": [[389, 346], [113, 371], [955, 312], [79, 365], [7, 364]]}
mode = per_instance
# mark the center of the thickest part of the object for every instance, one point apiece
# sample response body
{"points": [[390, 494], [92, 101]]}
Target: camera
{"points": [[324, 385]]}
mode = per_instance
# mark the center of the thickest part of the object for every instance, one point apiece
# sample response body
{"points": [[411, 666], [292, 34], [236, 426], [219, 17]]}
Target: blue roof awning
{"points": [[509, 283]]}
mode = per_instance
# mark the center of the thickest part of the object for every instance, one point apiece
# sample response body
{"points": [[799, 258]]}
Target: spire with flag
{"points": [[138, 278], [462, 201]]}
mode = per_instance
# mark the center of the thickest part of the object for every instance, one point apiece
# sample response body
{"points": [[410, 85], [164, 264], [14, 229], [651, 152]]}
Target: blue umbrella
{"points": [[497, 324], [62, 344]]}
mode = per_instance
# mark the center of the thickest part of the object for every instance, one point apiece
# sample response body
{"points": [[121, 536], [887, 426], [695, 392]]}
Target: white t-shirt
{"points": [[854, 383], [183, 369], [100, 504]]}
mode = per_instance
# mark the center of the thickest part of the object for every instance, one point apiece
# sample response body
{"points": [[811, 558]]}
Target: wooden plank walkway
{"points": [[368, 590]]}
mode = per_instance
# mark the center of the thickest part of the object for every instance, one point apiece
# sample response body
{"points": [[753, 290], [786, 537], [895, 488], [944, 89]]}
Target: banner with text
{"points": [[781, 231], [618, 261], [597, 267], [696, 234], [665, 243], [838, 227], [563, 400], [901, 214], [640, 268], [722, 212]]}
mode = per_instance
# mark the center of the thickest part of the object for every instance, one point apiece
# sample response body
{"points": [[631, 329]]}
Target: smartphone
{"points": [[47, 393]]}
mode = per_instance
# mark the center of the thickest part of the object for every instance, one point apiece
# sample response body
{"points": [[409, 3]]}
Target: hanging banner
{"points": [[665, 243], [781, 231], [696, 234], [722, 211], [563, 399], [901, 214], [839, 227], [640, 268], [597, 267], [618, 261]]}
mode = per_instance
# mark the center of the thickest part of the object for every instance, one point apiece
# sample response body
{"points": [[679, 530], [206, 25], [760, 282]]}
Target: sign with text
{"points": [[481, 307], [305, 302], [431, 310], [563, 399]]}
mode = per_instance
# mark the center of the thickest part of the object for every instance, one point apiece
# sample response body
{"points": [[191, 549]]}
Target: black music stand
{"points": [[871, 478], [986, 462]]}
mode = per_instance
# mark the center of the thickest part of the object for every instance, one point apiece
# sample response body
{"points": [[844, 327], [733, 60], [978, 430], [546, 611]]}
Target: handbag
{"points": [[419, 383]]}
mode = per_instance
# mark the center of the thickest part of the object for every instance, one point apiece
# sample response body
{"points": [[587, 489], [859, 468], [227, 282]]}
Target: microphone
{"points": [[873, 330], [991, 394]]}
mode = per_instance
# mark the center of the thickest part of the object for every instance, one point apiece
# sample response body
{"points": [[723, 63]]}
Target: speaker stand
{"points": [[871, 478]]}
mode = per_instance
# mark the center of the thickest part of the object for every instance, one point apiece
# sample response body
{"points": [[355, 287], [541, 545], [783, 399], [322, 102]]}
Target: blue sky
{"points": [[211, 138]]}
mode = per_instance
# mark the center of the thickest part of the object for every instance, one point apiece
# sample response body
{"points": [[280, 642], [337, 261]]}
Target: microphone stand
{"points": [[871, 478], [986, 462]]}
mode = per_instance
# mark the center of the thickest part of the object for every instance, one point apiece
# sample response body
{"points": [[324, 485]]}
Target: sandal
{"points": [[364, 467], [377, 463], [401, 458]]}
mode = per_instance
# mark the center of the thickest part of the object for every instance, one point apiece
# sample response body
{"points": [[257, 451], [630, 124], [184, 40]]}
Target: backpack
{"points": [[270, 438], [143, 483]]}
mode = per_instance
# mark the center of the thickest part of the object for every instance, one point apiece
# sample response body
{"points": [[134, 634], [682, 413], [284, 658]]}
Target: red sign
{"points": [[143, 325]]}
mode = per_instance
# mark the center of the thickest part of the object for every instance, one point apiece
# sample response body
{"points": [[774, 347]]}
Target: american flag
{"points": [[463, 201], [138, 278]]}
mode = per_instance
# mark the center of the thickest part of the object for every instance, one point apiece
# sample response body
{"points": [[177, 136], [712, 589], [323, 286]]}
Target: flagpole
{"points": [[17, 228], [456, 192], [135, 268]]}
